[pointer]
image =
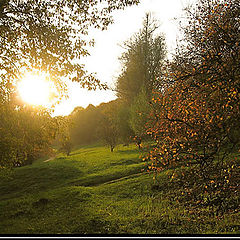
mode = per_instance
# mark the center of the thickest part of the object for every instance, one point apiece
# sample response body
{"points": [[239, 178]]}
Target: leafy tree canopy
{"points": [[50, 36]]}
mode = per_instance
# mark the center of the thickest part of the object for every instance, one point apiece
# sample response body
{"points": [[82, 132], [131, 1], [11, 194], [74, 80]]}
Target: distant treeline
{"points": [[124, 120], [103, 123]]}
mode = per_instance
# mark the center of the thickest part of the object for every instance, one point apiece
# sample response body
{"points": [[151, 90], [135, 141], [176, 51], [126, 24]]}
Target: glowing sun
{"points": [[34, 89]]}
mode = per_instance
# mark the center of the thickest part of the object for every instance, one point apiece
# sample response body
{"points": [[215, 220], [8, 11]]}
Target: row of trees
{"points": [[94, 124], [123, 120]]}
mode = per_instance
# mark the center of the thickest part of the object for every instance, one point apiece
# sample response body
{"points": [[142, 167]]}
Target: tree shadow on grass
{"points": [[126, 162], [27, 180], [128, 151]]}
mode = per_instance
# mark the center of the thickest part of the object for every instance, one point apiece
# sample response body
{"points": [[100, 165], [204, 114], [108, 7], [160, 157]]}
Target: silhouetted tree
{"points": [[108, 127], [141, 62]]}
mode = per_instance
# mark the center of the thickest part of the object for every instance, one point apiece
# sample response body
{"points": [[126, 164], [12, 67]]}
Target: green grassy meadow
{"points": [[94, 191]]}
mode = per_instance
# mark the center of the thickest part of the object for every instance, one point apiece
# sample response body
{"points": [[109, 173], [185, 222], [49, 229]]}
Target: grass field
{"points": [[94, 191]]}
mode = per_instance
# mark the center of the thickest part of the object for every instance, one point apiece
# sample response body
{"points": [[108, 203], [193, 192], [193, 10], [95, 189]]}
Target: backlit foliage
{"points": [[49, 36]]}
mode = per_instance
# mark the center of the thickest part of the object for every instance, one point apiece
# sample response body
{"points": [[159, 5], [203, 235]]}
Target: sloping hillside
{"points": [[94, 191]]}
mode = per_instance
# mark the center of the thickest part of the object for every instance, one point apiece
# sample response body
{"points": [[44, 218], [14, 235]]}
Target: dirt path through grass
{"points": [[107, 181], [49, 159]]}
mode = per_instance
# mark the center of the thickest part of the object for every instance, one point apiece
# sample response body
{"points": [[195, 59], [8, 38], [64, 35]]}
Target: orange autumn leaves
{"points": [[196, 115]]}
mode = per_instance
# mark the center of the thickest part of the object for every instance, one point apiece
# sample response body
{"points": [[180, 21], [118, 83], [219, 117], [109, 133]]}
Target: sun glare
{"points": [[34, 89]]}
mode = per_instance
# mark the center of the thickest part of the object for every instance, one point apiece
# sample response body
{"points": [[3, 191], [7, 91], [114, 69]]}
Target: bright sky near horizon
{"points": [[104, 56]]}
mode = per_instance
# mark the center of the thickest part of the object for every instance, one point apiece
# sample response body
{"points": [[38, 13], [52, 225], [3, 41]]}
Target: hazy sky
{"points": [[104, 56]]}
